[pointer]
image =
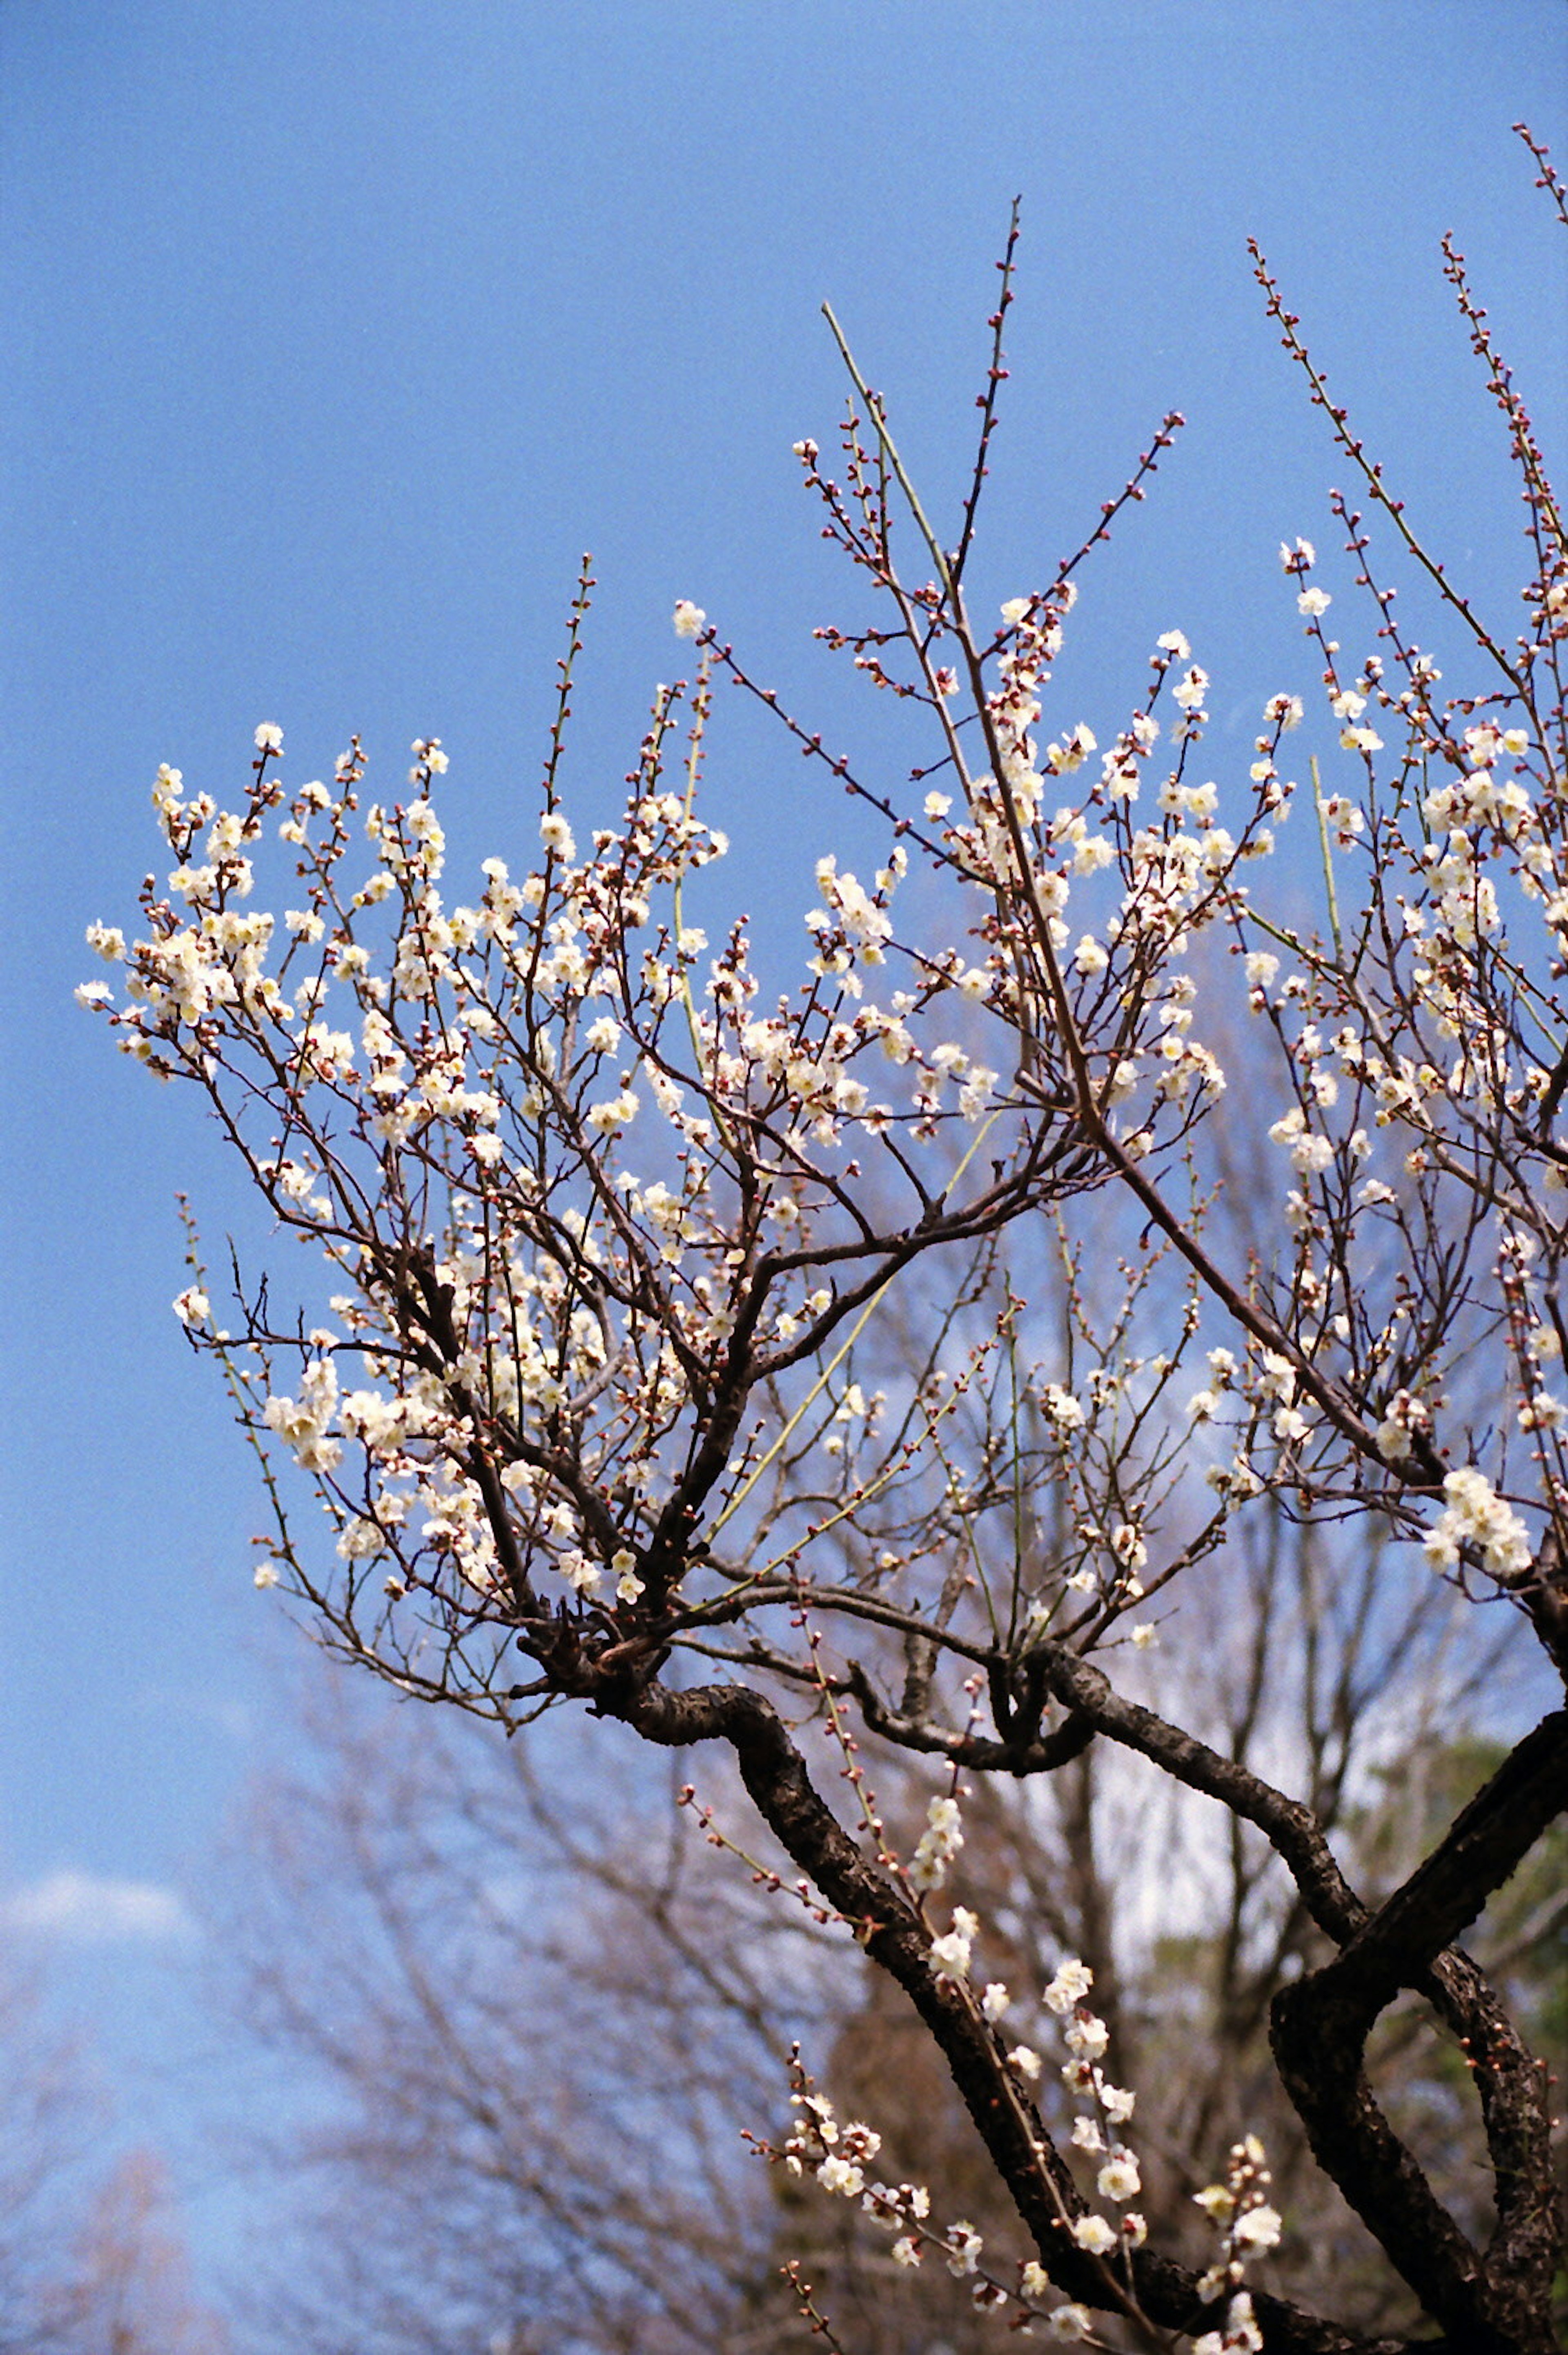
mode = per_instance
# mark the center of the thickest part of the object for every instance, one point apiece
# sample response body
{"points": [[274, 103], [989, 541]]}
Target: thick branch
{"points": [[1321, 2024], [1291, 1828], [1515, 2092], [1037, 2181], [1485, 1844], [1025, 1752], [1319, 2031]]}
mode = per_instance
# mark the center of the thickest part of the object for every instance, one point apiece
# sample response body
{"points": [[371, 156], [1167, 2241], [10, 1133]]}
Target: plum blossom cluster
{"points": [[1135, 896], [938, 1844], [1474, 1517], [470, 1068], [1100, 2108], [1248, 2228], [1423, 1078], [560, 1156], [839, 2156], [950, 1954]]}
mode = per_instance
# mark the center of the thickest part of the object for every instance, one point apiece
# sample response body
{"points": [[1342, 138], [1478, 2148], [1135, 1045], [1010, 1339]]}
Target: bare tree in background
{"points": [[90, 2260], [47, 2118], [591, 1395], [127, 2288], [541, 2020]]}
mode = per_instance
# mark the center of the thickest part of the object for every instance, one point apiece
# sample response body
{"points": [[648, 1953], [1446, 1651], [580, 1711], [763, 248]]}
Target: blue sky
{"points": [[338, 331]]}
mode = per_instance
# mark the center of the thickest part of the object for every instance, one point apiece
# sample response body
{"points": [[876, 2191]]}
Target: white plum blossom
{"points": [[556, 834], [1070, 1986], [938, 1844], [1476, 1516], [1087, 2036], [1061, 1409], [1259, 2228], [964, 2247], [1241, 2335], [843, 2176], [1310, 1152], [950, 1954]]}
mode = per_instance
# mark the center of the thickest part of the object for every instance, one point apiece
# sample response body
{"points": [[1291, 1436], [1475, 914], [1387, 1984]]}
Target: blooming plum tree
{"points": [[593, 1401]]}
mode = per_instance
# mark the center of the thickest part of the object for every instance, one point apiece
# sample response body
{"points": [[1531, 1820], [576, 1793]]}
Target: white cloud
{"points": [[95, 1908]]}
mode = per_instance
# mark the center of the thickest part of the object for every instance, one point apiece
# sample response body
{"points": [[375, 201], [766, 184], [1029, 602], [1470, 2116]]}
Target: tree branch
{"points": [[1037, 2178], [1320, 2029]]}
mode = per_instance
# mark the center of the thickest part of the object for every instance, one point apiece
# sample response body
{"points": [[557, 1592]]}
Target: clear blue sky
{"points": [[336, 331]]}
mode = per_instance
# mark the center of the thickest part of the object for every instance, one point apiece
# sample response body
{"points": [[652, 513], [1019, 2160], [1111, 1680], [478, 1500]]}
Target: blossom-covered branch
{"points": [[886, 1337]]}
